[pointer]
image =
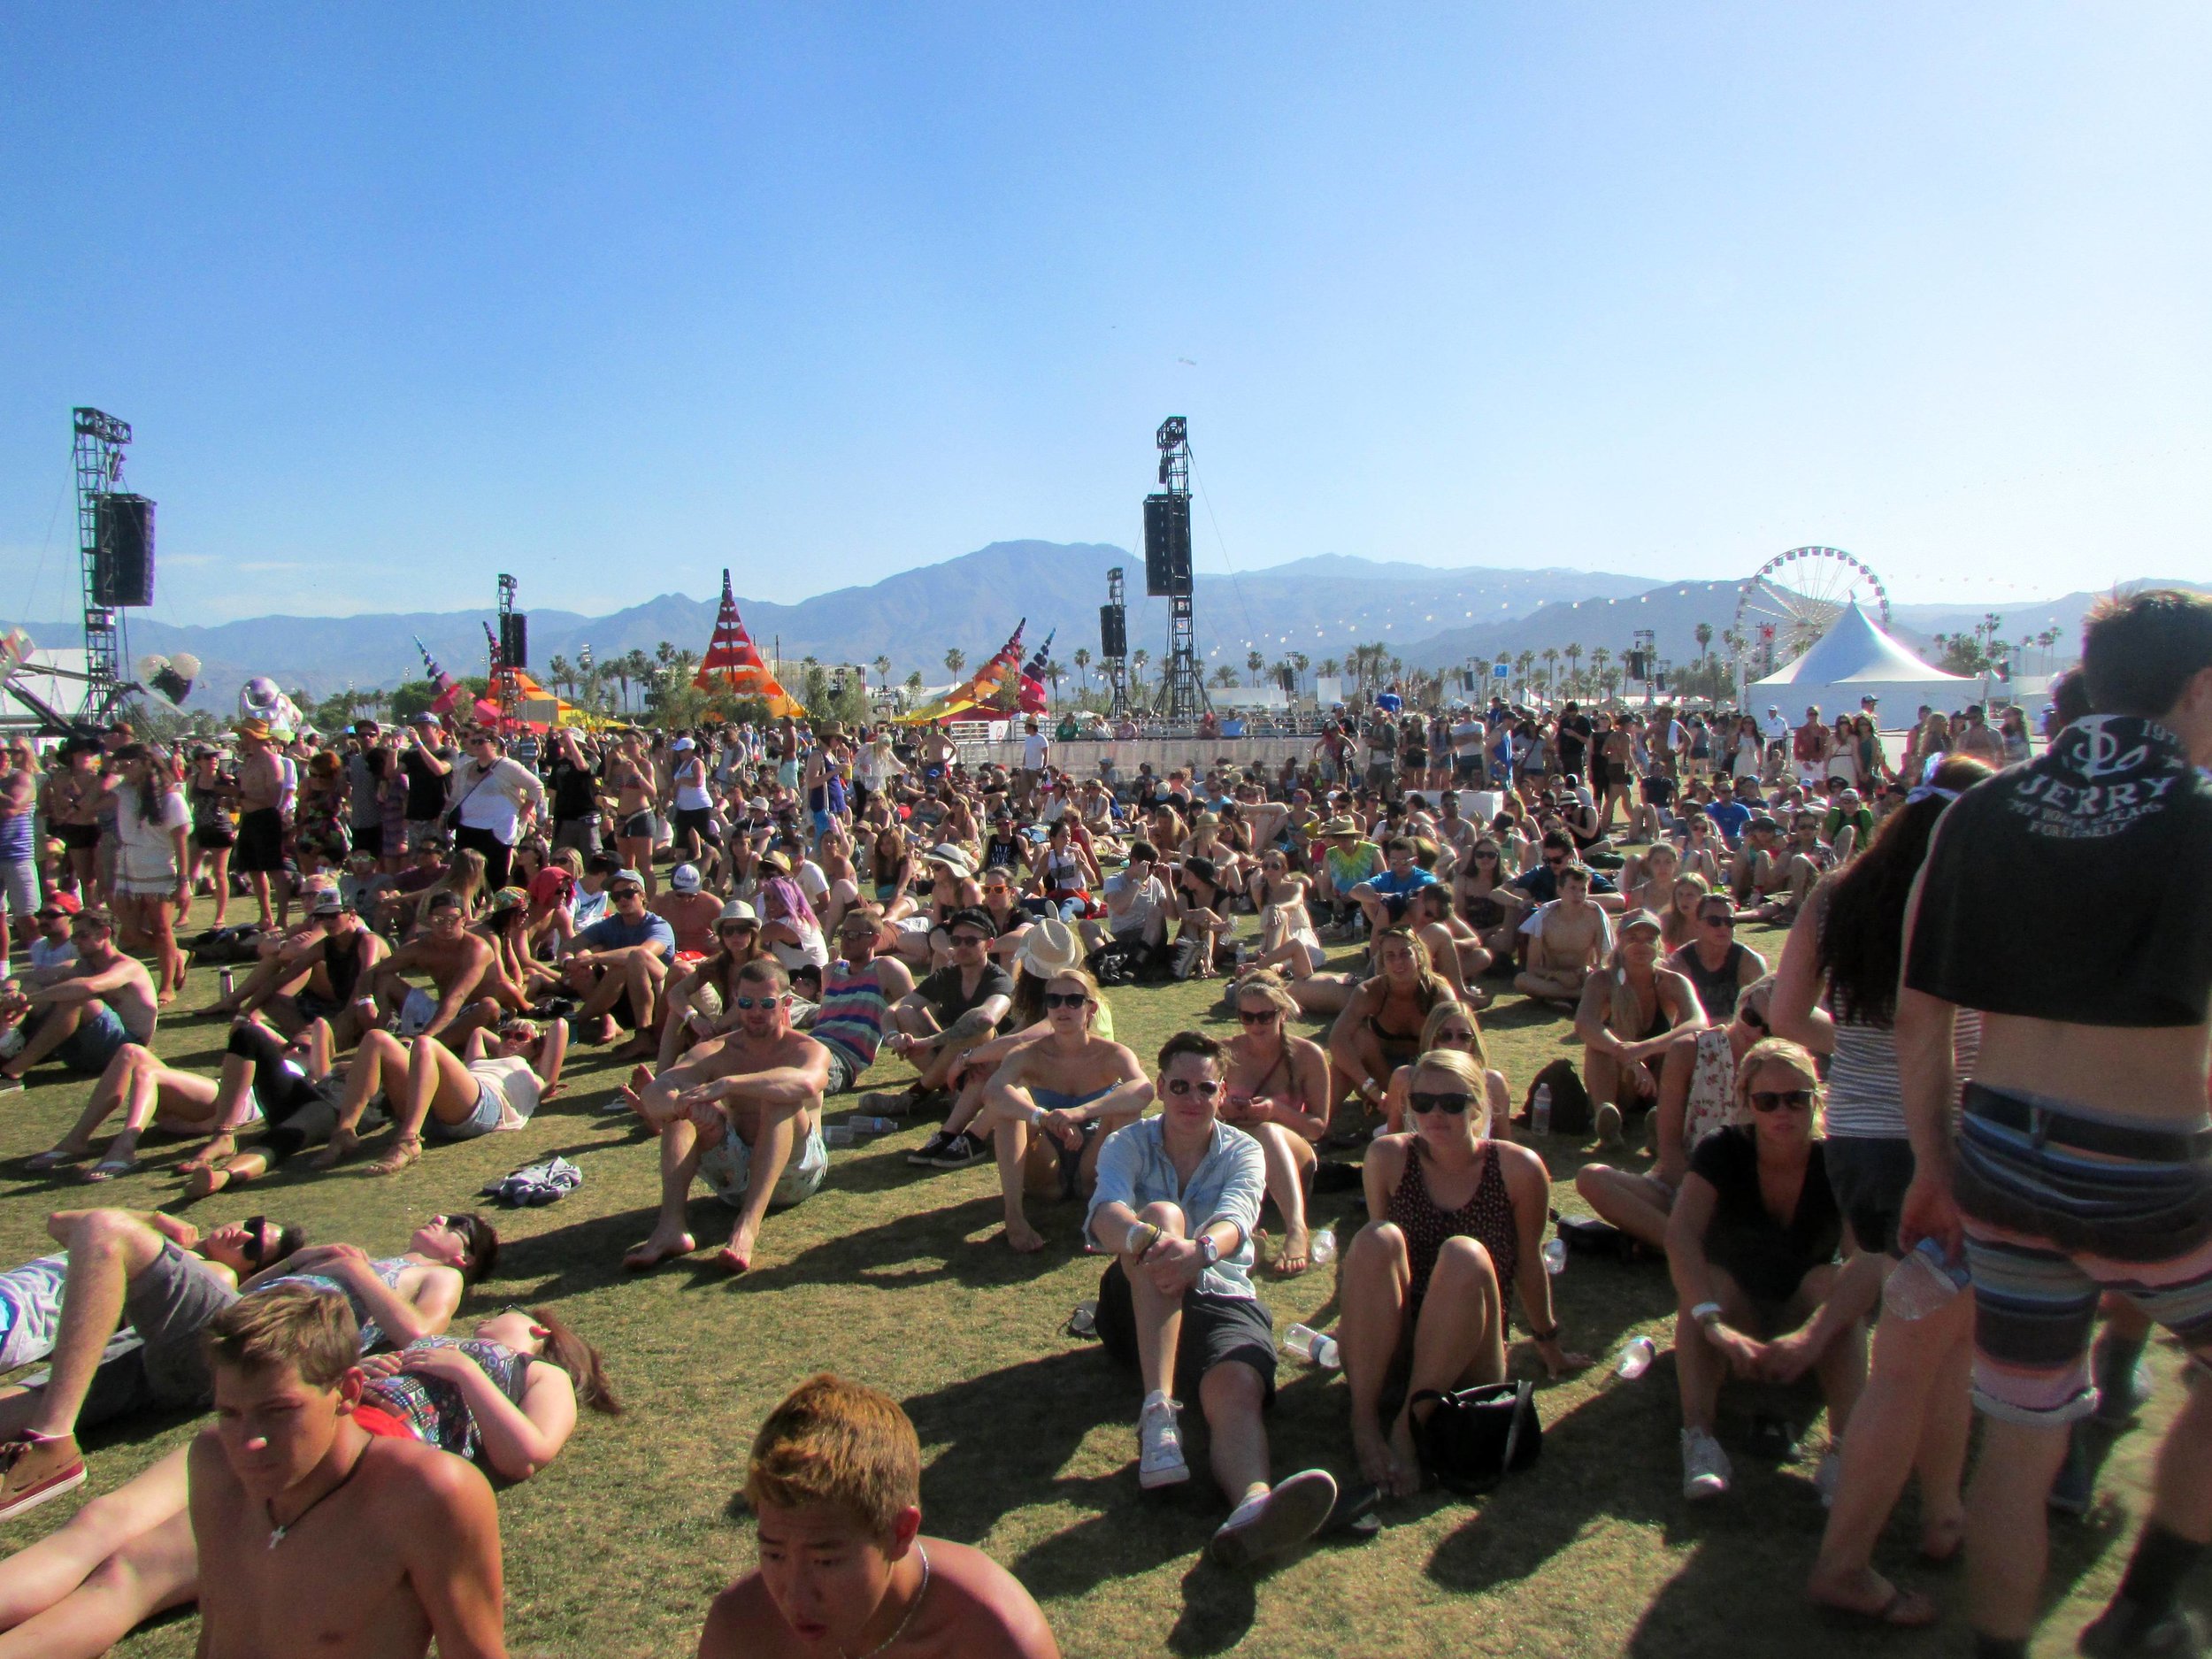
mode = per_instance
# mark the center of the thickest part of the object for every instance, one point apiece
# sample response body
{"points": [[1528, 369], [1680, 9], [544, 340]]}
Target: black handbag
{"points": [[1472, 1437]]}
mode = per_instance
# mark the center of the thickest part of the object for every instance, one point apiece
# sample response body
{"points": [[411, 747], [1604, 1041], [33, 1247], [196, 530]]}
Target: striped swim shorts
{"points": [[2061, 1204]]}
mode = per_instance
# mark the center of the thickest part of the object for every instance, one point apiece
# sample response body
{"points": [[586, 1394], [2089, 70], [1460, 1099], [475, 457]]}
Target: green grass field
{"points": [[896, 1276]]}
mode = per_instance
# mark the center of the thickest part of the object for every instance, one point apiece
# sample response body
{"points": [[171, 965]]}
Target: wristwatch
{"points": [[1706, 1312], [1209, 1252]]}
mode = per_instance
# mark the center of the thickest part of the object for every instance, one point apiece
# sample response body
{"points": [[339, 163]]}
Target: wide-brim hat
{"points": [[1337, 826], [951, 857], [1051, 947]]}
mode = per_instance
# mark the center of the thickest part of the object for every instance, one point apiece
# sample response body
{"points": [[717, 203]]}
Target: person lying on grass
{"points": [[158, 1274], [504, 1398], [745, 1115], [835, 1485], [1050, 1106], [1179, 1195], [485, 1087], [1457, 1217]]}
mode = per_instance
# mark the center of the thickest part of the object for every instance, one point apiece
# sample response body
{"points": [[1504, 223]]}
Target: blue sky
{"points": [[399, 297]]}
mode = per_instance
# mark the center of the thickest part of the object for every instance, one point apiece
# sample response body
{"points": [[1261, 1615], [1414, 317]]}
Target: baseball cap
{"points": [[684, 878], [326, 903], [62, 903], [444, 899], [1635, 919], [680, 744], [630, 876]]}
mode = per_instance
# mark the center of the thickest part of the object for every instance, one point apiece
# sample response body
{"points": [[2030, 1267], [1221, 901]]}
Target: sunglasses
{"points": [[1753, 1018], [969, 939], [1717, 921], [1184, 1086], [1770, 1101], [757, 1001], [1065, 999], [1489, 857], [628, 892], [1455, 1105], [1259, 1015], [1556, 863], [256, 1245]]}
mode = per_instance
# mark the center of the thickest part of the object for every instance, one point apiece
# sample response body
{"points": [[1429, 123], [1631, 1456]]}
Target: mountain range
{"points": [[1320, 606]]}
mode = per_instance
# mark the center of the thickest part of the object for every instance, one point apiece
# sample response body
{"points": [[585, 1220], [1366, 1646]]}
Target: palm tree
{"points": [[664, 653], [1253, 663], [1083, 668], [618, 668], [882, 666], [561, 674], [1551, 664], [641, 671], [1704, 633], [1328, 668], [1599, 658], [1573, 655], [956, 659], [1224, 676], [1298, 663], [1526, 660], [914, 683], [1053, 674], [1137, 658]]}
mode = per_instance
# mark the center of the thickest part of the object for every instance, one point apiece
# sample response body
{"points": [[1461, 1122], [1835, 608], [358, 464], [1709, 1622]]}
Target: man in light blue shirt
{"points": [[618, 966], [1177, 1200], [1383, 898]]}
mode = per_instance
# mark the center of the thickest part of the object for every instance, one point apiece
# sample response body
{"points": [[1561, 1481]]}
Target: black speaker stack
{"points": [[123, 558], [1167, 546]]}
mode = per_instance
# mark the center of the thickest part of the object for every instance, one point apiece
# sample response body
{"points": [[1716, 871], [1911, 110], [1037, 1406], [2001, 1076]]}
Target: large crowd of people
{"points": [[1915, 1160]]}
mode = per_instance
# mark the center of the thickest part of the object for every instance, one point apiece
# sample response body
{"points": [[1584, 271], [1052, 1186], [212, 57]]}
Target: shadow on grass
{"points": [[1008, 1435]]}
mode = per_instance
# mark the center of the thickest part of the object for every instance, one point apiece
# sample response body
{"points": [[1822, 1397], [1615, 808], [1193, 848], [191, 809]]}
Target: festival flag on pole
{"points": [[733, 663], [1032, 687], [449, 690], [993, 688]]}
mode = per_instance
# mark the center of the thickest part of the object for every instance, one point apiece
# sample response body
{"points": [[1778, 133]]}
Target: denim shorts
{"points": [[1869, 1175]]}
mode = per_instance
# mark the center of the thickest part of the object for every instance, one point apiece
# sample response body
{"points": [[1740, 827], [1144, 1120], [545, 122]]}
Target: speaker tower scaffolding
{"points": [[100, 440], [1167, 572]]}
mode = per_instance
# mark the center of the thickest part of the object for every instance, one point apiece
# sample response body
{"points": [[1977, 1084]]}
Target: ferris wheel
{"points": [[1793, 599]]}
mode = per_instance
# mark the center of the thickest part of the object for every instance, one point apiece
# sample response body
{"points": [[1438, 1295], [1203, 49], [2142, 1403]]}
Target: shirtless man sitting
{"points": [[399, 1541], [161, 1276], [834, 1483], [1568, 940], [745, 1112], [325, 971], [84, 1011], [1072, 1089], [461, 968]]}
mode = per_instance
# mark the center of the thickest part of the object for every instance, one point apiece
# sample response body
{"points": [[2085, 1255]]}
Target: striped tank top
{"points": [[1866, 1100], [852, 1012]]}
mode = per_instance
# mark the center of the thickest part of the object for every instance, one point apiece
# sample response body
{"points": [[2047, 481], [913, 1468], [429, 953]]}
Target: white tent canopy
{"points": [[1856, 659]]}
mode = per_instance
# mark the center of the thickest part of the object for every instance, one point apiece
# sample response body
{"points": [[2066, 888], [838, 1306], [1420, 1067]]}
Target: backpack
{"points": [[1570, 1110], [227, 944]]}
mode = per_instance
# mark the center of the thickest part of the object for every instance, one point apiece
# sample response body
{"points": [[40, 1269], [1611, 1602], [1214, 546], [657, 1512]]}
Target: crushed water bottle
{"points": [[871, 1126], [1539, 1111], [1312, 1346], [1923, 1282], [1636, 1357], [1321, 1248], [840, 1135], [1556, 1258]]}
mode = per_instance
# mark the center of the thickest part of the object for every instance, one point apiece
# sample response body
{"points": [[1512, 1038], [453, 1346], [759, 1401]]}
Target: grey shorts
{"points": [[166, 1307], [843, 1073], [727, 1167], [19, 885], [490, 1109]]}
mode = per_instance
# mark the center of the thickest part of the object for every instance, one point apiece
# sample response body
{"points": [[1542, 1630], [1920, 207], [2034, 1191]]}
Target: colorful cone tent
{"points": [[995, 688], [1032, 686], [733, 663]]}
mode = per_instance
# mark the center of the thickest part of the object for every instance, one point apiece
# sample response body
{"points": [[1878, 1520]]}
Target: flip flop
{"points": [[108, 1169], [1906, 1610], [40, 1162]]}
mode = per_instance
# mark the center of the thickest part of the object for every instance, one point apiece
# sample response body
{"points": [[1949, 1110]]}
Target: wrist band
{"points": [[1705, 1312], [1551, 1335], [1036, 1114]]}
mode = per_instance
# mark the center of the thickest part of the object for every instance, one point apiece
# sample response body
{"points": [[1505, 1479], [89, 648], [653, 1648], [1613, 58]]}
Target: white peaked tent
{"points": [[1856, 659]]}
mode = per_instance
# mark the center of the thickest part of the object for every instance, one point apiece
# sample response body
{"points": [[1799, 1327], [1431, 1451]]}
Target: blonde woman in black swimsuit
{"points": [[1379, 1029], [1278, 1092], [1458, 1214]]}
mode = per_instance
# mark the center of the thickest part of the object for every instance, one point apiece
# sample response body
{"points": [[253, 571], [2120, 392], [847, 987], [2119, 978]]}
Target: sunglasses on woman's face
{"points": [[1259, 1015], [256, 1244], [1205, 1089], [1773, 1101], [1065, 999], [1454, 1105]]}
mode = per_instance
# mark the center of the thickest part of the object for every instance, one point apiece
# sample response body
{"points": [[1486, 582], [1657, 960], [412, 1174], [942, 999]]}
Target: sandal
{"points": [[40, 1162], [108, 1168], [1906, 1610], [405, 1150]]}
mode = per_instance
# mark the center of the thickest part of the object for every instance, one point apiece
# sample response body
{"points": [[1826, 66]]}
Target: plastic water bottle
{"points": [[1636, 1357], [1555, 1256], [1321, 1249], [840, 1135], [1312, 1346], [1539, 1110], [871, 1126], [1923, 1282]]}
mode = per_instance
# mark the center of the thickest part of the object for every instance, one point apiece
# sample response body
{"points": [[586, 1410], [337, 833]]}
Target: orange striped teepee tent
{"points": [[733, 663]]}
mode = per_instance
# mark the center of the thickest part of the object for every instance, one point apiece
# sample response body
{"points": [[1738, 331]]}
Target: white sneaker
{"points": [[1160, 1445], [1269, 1521], [1705, 1467]]}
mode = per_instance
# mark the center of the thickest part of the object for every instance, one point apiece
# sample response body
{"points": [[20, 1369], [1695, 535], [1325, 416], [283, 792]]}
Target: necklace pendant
{"points": [[276, 1535]]}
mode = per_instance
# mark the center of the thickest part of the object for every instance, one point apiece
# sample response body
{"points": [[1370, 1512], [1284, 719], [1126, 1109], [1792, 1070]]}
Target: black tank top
{"points": [[1717, 990]]}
